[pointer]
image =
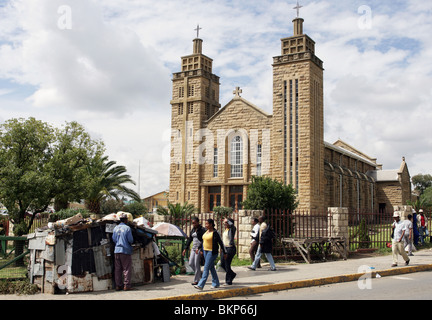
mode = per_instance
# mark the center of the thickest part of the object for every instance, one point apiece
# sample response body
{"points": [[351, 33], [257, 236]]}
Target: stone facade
{"points": [[216, 151]]}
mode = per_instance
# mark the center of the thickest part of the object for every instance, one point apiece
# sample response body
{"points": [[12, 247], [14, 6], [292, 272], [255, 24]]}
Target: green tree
{"points": [[177, 212], [107, 180], [26, 182], [421, 182], [136, 208], [426, 199], [266, 193], [73, 151]]}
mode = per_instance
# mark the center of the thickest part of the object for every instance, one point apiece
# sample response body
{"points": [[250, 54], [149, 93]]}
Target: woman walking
{"points": [[229, 243], [195, 238], [211, 243]]}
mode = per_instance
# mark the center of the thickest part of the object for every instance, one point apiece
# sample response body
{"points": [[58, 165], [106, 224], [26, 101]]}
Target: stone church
{"points": [[215, 150]]}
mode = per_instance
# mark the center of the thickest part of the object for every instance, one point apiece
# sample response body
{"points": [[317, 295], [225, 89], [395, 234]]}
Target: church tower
{"points": [[195, 98], [298, 118]]}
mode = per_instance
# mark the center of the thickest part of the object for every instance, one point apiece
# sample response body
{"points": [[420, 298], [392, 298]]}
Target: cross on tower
{"points": [[198, 30], [297, 7], [237, 92]]}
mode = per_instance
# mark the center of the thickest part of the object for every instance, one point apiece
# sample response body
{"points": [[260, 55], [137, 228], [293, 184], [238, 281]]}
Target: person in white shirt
{"points": [[399, 229]]}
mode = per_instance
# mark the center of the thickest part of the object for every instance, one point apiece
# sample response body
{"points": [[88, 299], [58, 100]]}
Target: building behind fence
{"points": [[363, 230]]}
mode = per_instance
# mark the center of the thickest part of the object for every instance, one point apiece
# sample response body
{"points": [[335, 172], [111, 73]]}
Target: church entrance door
{"points": [[236, 197], [214, 197]]}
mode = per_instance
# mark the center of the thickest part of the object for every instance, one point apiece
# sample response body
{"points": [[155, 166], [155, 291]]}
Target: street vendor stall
{"points": [[77, 255]]}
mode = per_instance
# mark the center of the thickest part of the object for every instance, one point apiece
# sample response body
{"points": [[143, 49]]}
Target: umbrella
{"points": [[168, 229]]}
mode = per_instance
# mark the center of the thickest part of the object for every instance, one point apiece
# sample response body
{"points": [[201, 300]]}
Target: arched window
{"points": [[237, 157]]}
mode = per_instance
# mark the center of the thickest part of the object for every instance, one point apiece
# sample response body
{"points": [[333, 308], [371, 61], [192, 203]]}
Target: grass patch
{"points": [[236, 262]]}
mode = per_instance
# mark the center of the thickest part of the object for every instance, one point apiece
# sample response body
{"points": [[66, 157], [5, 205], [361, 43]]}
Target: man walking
{"points": [[123, 239], [397, 243]]}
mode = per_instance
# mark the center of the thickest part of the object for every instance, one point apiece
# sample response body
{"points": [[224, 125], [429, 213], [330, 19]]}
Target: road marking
{"points": [[404, 278]]}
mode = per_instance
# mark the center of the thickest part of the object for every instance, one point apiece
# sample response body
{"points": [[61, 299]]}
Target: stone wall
{"points": [[245, 227], [338, 222]]}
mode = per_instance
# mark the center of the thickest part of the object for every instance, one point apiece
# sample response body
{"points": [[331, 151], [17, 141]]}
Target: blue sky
{"points": [[112, 70]]}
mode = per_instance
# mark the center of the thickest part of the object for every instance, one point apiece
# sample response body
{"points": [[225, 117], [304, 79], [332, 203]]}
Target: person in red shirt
{"points": [[422, 226]]}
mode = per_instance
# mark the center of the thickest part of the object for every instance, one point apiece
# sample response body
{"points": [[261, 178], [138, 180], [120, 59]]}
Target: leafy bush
{"points": [[266, 193], [67, 213], [222, 212], [364, 239], [135, 208]]}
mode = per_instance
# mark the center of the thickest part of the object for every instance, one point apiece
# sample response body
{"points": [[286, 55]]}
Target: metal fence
{"points": [[373, 230], [13, 258], [297, 224], [185, 223]]}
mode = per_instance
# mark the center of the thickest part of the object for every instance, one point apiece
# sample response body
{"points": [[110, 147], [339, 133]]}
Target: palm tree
{"points": [[107, 181], [177, 212]]}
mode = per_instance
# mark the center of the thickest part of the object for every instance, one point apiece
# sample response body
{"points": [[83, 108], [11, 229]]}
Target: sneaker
{"points": [[394, 265], [197, 287], [270, 269], [215, 287], [250, 268]]}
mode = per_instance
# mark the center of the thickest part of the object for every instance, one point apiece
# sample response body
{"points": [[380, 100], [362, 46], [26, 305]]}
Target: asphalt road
{"points": [[414, 286]]}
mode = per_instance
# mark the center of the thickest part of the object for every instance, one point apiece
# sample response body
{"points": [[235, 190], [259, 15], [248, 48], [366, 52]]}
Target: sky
{"points": [[108, 65]]}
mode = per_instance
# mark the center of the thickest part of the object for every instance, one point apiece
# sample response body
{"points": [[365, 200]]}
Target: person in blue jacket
{"points": [[123, 239]]}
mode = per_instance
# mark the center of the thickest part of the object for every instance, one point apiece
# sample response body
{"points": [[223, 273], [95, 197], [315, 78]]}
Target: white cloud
{"points": [[112, 70]]}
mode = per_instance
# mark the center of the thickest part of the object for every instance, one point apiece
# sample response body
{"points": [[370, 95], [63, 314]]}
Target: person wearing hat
{"points": [[123, 239], [422, 226], [399, 229]]}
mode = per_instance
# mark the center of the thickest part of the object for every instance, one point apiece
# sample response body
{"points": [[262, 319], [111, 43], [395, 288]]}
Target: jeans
{"points": [[258, 257], [226, 264], [422, 234], [209, 267]]}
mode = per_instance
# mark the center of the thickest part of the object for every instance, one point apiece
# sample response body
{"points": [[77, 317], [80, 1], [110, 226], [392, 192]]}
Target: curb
{"points": [[236, 292]]}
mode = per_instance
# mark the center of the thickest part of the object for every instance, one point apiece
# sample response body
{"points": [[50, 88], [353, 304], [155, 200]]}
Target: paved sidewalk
{"points": [[288, 276]]}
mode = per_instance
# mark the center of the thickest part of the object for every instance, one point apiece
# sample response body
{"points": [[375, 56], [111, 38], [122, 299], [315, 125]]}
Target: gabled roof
{"points": [[342, 144], [388, 175], [349, 153], [237, 99]]}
